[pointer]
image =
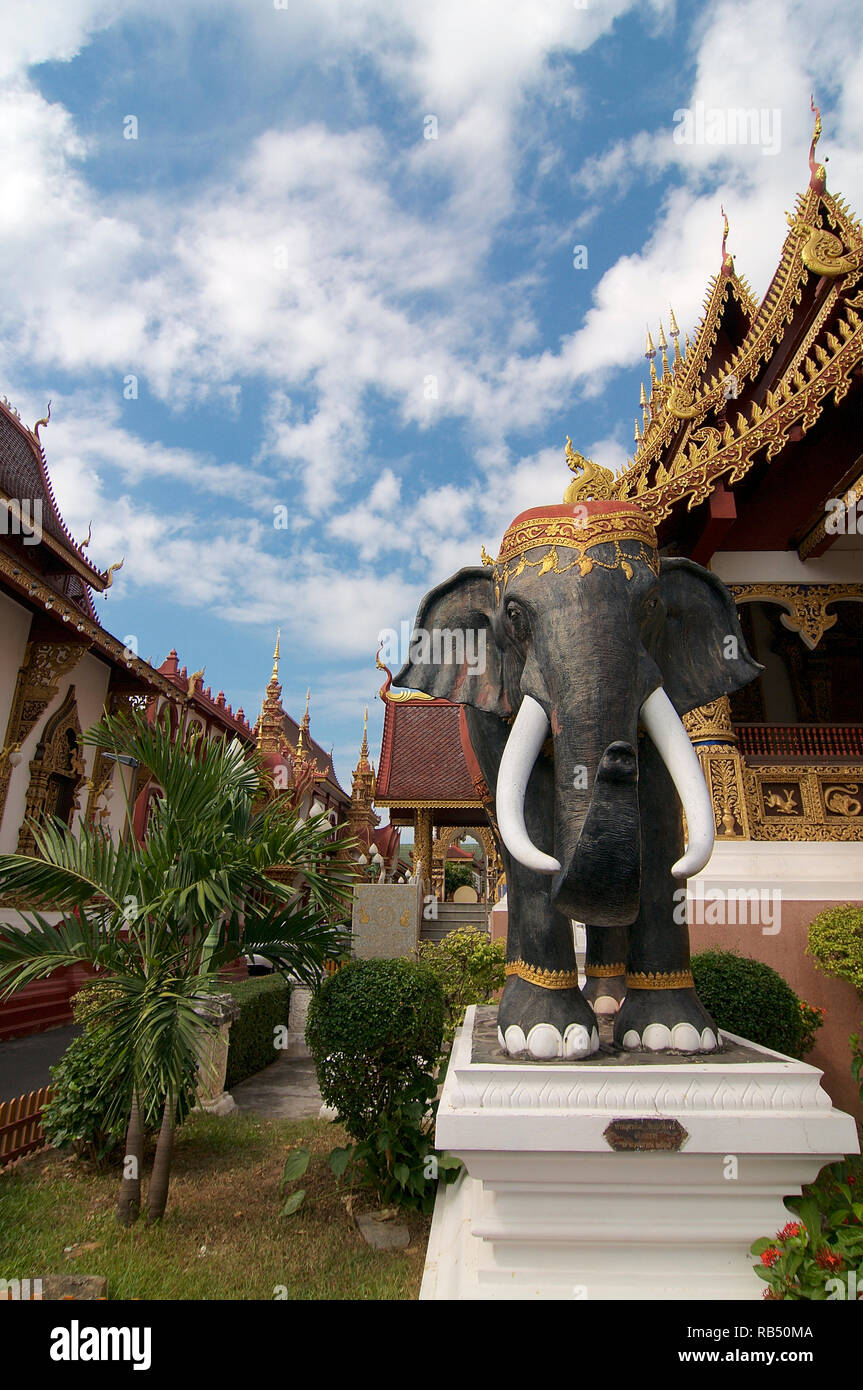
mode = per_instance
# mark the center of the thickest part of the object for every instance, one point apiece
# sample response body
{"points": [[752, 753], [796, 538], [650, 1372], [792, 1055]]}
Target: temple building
{"points": [[59, 670], [429, 779], [748, 460], [299, 766]]}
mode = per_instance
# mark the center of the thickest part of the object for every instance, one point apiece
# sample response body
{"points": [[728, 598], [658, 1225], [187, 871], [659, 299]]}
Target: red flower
{"points": [[827, 1260], [794, 1228], [770, 1256]]}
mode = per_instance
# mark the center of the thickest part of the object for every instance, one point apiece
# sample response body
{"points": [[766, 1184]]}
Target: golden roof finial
{"points": [[817, 172], [675, 333], [276, 655], [637, 433], [112, 570], [727, 260], [304, 727], [650, 350], [39, 423], [663, 344], [591, 482], [642, 400]]}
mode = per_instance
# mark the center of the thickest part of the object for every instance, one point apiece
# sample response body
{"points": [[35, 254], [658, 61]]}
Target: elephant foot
{"points": [[665, 1020], [605, 993], [545, 1023]]}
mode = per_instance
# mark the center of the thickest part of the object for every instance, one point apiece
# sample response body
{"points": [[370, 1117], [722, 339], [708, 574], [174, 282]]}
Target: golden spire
{"points": [[364, 748], [271, 724], [663, 343], [675, 333], [304, 727], [361, 817], [649, 349], [637, 433]]}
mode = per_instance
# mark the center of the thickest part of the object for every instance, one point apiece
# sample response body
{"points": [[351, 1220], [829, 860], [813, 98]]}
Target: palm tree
{"points": [[158, 921]]}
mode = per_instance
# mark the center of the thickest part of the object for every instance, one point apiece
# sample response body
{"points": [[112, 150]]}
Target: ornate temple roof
{"points": [[422, 758], [754, 382], [277, 733], [24, 479], [212, 707]]}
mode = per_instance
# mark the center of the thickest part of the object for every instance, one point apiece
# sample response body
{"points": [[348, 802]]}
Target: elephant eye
{"points": [[651, 604], [517, 621]]}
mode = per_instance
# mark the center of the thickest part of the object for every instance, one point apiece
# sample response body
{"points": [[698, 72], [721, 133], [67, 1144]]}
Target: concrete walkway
{"points": [[25, 1062], [285, 1090]]}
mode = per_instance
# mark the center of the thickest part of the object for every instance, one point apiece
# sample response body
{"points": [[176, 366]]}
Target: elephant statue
{"points": [[592, 646]]}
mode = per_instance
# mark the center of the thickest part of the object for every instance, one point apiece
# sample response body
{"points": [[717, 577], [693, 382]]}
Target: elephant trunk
{"points": [[601, 878]]}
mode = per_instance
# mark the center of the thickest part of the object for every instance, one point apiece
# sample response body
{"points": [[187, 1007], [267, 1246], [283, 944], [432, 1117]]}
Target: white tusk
{"points": [[526, 737], [663, 724]]}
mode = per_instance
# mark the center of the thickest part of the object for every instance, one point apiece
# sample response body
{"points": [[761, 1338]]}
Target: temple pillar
{"points": [[713, 737], [423, 830]]}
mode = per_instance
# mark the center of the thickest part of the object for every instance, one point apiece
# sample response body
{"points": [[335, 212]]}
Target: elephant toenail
{"points": [[656, 1037], [544, 1041], [631, 1039], [606, 1005], [685, 1037], [514, 1040], [576, 1041]]}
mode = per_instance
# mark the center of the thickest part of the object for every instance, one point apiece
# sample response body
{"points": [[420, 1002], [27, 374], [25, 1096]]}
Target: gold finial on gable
{"points": [[591, 483]]}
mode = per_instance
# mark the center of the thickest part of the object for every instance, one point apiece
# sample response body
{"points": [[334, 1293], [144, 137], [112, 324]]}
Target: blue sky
{"points": [[335, 321]]}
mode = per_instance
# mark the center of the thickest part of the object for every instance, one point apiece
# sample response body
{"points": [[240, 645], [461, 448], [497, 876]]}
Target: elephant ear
{"points": [[453, 653], [702, 652]]}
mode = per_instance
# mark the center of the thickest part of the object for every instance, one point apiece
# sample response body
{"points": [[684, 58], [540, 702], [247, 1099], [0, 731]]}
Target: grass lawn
{"points": [[222, 1237]]}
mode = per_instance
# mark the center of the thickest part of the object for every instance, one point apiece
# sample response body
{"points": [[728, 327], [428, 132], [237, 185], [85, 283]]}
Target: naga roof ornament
{"points": [[591, 482]]}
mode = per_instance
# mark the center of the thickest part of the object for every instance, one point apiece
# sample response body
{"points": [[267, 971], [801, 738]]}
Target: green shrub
{"points": [[86, 1114], [77, 1117], [375, 1030], [470, 968], [264, 1001], [836, 942], [750, 999]]}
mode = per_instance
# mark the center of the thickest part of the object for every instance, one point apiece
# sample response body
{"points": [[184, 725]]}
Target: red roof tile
{"points": [[421, 754]]}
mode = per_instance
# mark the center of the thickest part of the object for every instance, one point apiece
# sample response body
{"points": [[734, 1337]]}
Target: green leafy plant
{"points": [[296, 1164], [751, 999], [820, 1255], [470, 969], [836, 943], [161, 919], [83, 1114], [76, 1115], [457, 875], [375, 1031]]}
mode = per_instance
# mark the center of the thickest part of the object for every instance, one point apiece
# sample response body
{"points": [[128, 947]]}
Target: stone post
{"points": [[213, 1056]]}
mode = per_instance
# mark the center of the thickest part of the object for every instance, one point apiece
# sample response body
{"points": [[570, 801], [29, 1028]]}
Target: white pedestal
{"points": [[548, 1209]]}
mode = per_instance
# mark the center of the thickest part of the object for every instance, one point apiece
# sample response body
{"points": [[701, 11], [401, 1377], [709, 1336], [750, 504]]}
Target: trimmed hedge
{"points": [[375, 1030], [751, 999], [264, 1001]]}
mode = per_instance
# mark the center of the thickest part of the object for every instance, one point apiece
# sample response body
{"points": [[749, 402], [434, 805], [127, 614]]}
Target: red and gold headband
{"points": [[579, 528]]}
